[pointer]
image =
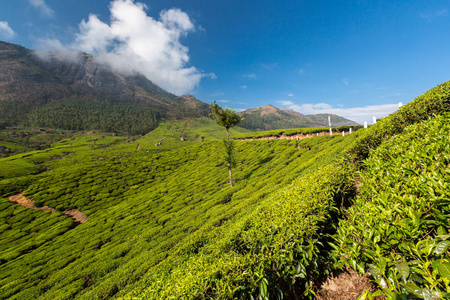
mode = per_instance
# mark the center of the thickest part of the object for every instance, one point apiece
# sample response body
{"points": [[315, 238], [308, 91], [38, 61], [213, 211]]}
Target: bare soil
{"points": [[74, 214], [346, 285]]}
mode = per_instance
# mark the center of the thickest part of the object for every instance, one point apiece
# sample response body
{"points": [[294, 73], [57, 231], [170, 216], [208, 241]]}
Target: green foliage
{"points": [[434, 102], [19, 139], [398, 227], [294, 131], [145, 209], [227, 117], [229, 157], [269, 253], [80, 114], [144, 206], [163, 224]]}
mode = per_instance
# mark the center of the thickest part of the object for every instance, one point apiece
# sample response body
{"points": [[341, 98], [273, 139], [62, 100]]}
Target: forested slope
{"points": [[71, 90]]}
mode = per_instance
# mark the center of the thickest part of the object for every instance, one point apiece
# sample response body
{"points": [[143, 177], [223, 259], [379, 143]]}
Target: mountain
{"points": [[71, 90], [269, 117], [335, 120], [41, 88]]}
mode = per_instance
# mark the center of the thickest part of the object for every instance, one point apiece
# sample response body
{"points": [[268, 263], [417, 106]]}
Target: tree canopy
{"points": [[225, 117]]}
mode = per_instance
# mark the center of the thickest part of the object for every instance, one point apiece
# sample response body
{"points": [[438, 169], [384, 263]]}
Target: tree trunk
{"points": [[231, 177], [229, 164]]}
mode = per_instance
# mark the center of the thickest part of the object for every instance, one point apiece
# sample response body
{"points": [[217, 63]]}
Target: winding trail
{"points": [[74, 214]]}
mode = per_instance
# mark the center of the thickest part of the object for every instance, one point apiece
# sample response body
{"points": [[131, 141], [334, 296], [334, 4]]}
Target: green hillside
{"points": [[45, 89], [162, 222]]}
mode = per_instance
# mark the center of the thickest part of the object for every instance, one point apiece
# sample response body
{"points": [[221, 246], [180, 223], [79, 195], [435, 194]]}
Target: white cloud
{"points": [[269, 67], [6, 31], [250, 76], [243, 86], [62, 52], [43, 8], [223, 101], [345, 81], [217, 94], [431, 16], [290, 95], [134, 42], [357, 114]]}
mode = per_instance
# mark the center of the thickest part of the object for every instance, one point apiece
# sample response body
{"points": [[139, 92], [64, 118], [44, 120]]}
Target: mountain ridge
{"points": [[73, 90], [269, 117], [57, 89]]}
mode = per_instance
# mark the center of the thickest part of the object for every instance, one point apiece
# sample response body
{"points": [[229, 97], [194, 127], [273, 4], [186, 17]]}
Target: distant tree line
{"points": [[88, 114], [79, 114]]}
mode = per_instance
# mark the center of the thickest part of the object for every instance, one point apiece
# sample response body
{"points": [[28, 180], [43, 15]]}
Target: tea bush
{"points": [[399, 225]]}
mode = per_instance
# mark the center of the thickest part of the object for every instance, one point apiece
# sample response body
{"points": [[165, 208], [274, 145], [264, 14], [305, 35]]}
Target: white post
{"points": [[307, 136], [343, 133], [400, 104], [329, 124], [365, 124], [374, 120], [317, 134], [350, 131]]}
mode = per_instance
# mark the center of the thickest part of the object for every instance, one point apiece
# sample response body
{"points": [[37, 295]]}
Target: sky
{"points": [[354, 58]]}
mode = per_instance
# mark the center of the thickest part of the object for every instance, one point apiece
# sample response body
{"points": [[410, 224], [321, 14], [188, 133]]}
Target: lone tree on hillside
{"points": [[227, 118]]}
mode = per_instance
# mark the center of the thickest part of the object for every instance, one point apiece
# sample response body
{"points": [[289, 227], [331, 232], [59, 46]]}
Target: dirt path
{"points": [[74, 214]]}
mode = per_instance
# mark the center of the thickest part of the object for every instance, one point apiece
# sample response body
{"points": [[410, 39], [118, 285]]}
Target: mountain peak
{"points": [[48, 80], [263, 110], [268, 117]]}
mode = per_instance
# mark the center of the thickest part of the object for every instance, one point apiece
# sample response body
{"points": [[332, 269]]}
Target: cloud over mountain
{"points": [[134, 42]]}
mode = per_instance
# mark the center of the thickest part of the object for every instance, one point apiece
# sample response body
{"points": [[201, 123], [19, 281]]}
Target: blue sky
{"points": [[354, 58]]}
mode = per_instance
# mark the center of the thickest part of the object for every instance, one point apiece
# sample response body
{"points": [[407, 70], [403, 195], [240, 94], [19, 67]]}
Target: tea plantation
{"points": [[162, 222]]}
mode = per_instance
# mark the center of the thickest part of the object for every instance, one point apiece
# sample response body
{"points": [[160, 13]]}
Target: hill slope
{"points": [[269, 117], [143, 209], [35, 86], [163, 223]]}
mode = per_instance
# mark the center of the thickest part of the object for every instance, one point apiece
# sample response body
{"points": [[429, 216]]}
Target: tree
{"points": [[227, 118]]}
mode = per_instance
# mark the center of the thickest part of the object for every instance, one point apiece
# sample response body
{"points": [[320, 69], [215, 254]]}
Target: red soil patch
{"points": [[75, 214]]}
